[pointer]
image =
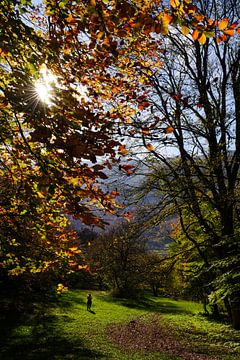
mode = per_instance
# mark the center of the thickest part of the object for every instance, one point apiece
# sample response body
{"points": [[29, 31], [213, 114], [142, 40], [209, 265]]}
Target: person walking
{"points": [[89, 302]]}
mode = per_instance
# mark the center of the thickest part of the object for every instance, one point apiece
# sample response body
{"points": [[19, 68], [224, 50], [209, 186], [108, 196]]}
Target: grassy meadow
{"points": [[66, 330]]}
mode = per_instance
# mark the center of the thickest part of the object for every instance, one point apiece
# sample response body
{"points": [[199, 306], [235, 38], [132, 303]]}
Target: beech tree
{"points": [[191, 128], [67, 88]]}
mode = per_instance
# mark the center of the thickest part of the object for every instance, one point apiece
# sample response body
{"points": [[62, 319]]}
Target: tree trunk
{"points": [[155, 290], [215, 310], [235, 312], [228, 308]]}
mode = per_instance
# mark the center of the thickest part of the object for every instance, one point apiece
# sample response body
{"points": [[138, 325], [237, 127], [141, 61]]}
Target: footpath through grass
{"points": [[68, 331]]}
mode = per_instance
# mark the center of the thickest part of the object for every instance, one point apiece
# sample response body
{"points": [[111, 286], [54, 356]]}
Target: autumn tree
{"points": [[62, 65], [50, 141], [191, 127]]}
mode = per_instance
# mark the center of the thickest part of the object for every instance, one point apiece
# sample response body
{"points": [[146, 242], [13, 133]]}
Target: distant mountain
{"points": [[158, 237]]}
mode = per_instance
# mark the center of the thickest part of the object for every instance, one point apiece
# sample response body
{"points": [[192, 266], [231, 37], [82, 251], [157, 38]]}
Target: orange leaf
{"points": [[70, 18], [115, 90], [145, 131], [223, 24], [221, 38], [122, 149], [143, 105], [195, 34], [169, 130], [229, 32], [67, 51], [100, 35], [210, 22], [174, 3], [128, 214], [238, 30], [150, 147], [166, 19], [199, 17], [2, 53], [202, 39]]}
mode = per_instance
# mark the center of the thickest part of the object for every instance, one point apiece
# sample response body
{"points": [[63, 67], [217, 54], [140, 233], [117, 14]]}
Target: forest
{"points": [[119, 165]]}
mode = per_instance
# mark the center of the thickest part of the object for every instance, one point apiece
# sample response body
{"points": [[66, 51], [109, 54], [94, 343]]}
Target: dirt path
{"points": [[147, 334]]}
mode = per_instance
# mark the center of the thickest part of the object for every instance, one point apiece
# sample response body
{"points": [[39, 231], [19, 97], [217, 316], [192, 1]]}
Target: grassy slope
{"points": [[68, 331]]}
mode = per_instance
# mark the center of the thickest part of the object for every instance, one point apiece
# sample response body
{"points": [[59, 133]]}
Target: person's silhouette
{"points": [[89, 302]]}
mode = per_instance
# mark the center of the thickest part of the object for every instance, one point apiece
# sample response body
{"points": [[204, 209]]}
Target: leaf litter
{"points": [[151, 334]]}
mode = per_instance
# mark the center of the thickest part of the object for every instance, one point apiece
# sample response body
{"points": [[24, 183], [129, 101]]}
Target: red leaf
{"points": [[127, 167]]}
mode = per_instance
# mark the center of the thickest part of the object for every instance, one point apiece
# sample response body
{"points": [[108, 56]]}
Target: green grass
{"points": [[68, 331]]}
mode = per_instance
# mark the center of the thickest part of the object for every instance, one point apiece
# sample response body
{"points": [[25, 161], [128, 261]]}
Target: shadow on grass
{"points": [[92, 312], [159, 306], [70, 299], [38, 338]]}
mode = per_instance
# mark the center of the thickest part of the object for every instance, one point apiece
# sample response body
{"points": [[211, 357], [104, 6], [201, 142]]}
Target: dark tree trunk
{"points": [[155, 290], [215, 310], [228, 308], [235, 311]]}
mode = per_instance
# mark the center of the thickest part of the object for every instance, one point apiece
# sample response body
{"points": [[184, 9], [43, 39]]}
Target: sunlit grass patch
{"points": [[66, 330]]}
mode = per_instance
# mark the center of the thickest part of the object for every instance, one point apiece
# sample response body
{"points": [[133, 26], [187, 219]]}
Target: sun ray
{"points": [[44, 85]]}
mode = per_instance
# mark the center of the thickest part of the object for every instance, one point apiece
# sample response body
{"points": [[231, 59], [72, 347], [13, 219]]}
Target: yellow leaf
{"points": [[185, 30], [150, 147], [67, 51], [82, 266], [195, 34], [202, 39], [223, 24], [209, 34], [40, 195], [73, 248]]}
